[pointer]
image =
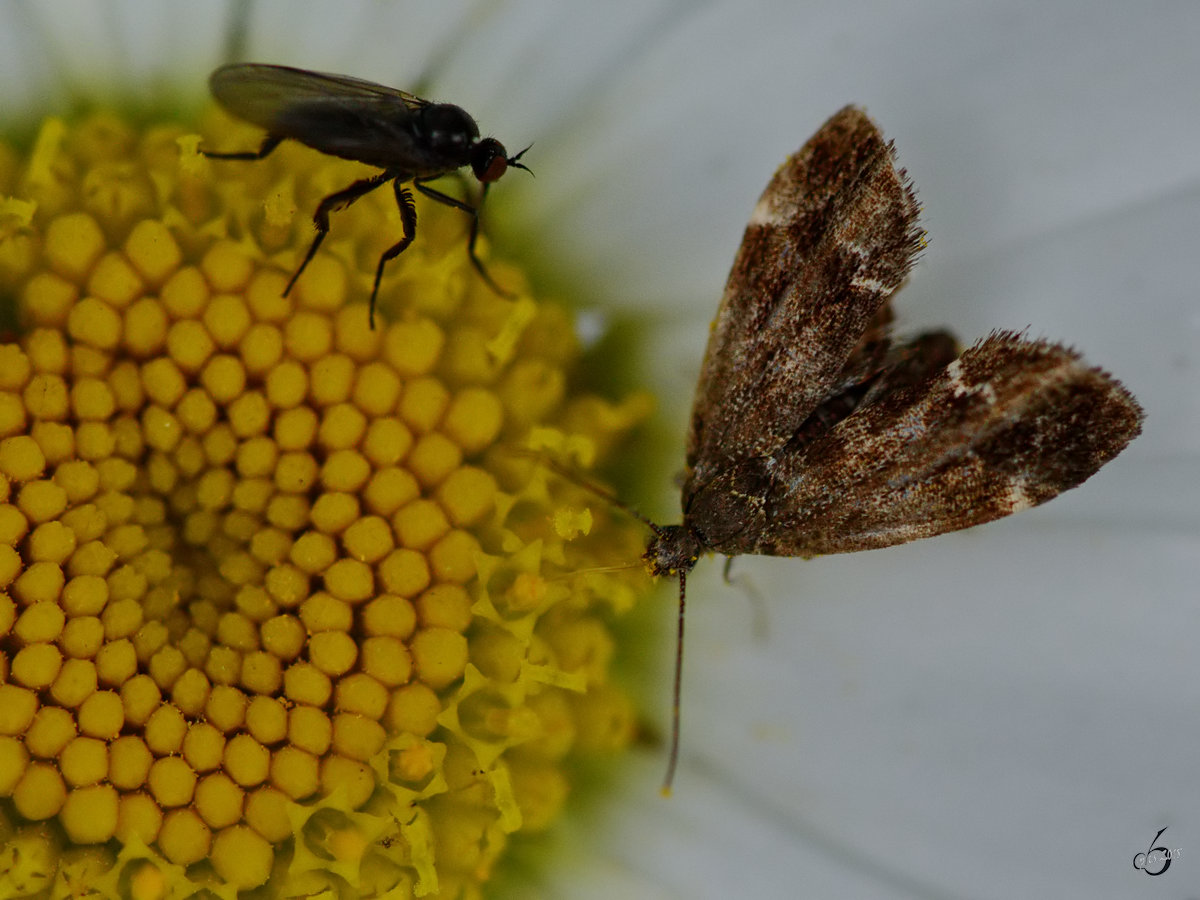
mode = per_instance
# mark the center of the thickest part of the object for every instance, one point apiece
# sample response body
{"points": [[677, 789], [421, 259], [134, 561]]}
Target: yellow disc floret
{"points": [[282, 598]]}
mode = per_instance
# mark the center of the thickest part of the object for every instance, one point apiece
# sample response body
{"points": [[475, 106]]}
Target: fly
{"points": [[410, 139]]}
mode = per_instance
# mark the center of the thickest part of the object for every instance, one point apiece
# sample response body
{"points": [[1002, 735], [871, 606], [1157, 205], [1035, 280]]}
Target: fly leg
{"points": [[338, 200], [408, 220], [473, 212], [270, 142]]}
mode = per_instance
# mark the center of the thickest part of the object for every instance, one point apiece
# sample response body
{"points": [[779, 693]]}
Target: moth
{"points": [[814, 431], [410, 139]]}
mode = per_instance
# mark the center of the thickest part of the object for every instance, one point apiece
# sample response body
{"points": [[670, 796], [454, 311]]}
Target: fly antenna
{"points": [[514, 161]]}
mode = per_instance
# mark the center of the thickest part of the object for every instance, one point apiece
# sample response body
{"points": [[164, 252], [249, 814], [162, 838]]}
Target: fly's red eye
{"points": [[495, 168], [489, 160]]}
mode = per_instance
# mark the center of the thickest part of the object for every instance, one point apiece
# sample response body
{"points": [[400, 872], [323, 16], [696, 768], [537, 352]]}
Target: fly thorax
{"points": [[673, 549], [447, 128]]}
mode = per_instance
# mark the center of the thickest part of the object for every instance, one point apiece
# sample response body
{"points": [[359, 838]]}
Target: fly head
{"points": [[489, 160]]}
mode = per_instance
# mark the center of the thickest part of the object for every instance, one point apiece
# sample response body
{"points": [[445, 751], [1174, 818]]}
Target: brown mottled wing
{"points": [[1008, 425], [832, 237]]}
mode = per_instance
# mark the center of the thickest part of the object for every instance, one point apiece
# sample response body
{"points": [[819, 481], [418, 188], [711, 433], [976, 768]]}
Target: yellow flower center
{"points": [[278, 601]]}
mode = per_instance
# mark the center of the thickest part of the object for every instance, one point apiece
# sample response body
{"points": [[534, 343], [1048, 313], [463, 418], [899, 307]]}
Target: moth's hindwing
{"points": [[1008, 425]]}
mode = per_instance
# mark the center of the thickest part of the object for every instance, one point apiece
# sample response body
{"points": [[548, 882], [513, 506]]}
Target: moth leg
{"points": [[408, 220], [473, 212], [270, 142], [759, 626], [338, 200]]}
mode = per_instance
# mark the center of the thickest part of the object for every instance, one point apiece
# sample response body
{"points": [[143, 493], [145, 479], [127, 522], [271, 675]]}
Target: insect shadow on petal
{"points": [[814, 431], [412, 140]]}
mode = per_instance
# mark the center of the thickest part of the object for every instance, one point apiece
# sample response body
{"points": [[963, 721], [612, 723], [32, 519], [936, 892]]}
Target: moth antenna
{"points": [[673, 752], [602, 492], [624, 567]]}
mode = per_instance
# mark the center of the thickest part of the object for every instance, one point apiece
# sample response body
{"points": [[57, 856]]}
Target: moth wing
{"points": [[832, 237], [1008, 425], [877, 366]]}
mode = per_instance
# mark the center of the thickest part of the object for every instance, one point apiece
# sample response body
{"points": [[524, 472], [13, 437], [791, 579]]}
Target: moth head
{"points": [[672, 550]]}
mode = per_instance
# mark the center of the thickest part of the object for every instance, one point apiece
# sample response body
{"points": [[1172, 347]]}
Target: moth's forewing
{"points": [[1010, 424], [831, 238]]}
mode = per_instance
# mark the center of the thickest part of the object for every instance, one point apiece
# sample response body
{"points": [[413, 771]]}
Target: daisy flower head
{"points": [[287, 598]]}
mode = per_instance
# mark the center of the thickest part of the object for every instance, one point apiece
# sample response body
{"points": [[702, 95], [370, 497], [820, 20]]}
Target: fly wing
{"points": [[263, 95], [1008, 425], [336, 114], [832, 237]]}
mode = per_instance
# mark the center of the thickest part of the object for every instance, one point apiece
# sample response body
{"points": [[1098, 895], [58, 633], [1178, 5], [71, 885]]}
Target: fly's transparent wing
{"points": [[266, 95]]}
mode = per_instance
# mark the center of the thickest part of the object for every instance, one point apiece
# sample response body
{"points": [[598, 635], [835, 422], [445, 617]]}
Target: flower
{"points": [[280, 602], [1002, 707]]}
